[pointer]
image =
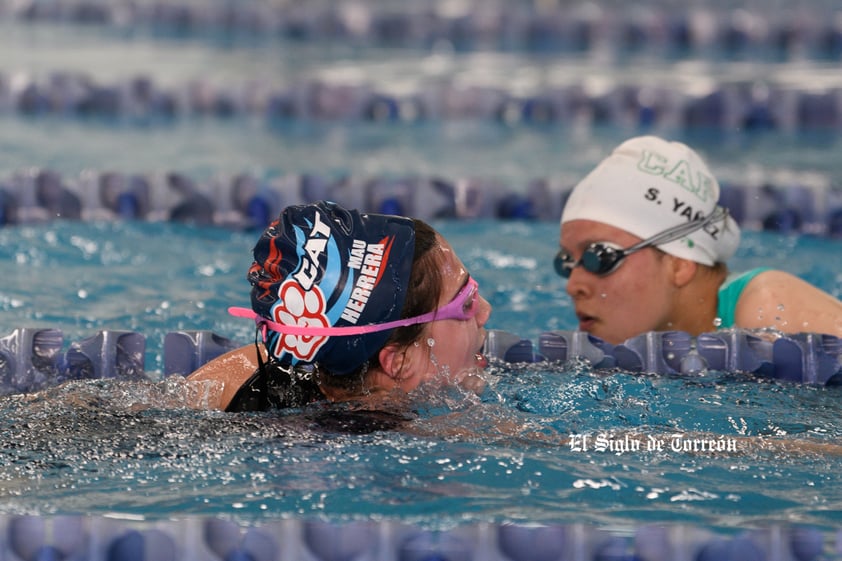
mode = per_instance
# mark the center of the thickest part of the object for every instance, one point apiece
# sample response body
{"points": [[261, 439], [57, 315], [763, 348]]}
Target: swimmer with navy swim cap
{"points": [[349, 304], [323, 266], [644, 245]]}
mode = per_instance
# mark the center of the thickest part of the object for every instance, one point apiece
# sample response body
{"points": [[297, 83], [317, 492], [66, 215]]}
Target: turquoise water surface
{"points": [[503, 456], [534, 447]]}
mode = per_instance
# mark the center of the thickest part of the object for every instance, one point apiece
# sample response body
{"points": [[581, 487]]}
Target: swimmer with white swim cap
{"points": [[644, 245]]}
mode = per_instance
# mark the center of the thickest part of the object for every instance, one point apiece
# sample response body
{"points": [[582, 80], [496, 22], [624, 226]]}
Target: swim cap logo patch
{"points": [[304, 308], [680, 172]]}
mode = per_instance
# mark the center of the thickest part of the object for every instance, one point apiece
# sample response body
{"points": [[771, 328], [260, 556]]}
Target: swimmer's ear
{"points": [[392, 360], [399, 361], [682, 270]]}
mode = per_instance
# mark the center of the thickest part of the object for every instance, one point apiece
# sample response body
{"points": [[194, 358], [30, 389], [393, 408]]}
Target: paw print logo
{"points": [[304, 308]]}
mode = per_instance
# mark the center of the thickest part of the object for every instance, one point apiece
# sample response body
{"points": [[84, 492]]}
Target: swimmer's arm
{"points": [[231, 370], [783, 301]]}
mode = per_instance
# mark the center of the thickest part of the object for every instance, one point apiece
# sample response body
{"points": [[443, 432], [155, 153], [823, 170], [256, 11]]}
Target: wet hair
{"points": [[718, 270], [277, 386], [425, 284]]}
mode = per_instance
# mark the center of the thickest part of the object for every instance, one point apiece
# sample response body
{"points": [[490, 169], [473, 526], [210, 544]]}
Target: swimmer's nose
{"points": [[484, 311], [577, 286]]}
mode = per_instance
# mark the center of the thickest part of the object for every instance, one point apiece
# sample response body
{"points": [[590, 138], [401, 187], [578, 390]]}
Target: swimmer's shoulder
{"points": [[232, 370], [771, 286], [783, 301]]}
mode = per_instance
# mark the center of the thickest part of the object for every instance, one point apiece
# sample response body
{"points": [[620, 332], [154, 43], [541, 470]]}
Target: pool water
{"points": [[514, 454], [154, 278], [545, 443]]}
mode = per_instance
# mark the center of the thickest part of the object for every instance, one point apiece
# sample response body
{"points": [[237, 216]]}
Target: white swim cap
{"points": [[648, 185]]}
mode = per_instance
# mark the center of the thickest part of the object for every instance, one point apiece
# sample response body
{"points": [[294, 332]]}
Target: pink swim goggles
{"points": [[464, 306]]}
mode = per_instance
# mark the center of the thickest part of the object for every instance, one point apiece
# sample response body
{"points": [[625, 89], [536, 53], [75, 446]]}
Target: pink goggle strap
{"points": [[453, 310]]}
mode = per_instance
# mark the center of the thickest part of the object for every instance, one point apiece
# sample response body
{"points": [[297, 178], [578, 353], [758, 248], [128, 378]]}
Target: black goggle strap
{"points": [[672, 234], [261, 384], [259, 337]]}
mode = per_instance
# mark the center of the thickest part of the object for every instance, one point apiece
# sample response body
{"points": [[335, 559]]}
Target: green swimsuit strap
{"points": [[729, 294]]}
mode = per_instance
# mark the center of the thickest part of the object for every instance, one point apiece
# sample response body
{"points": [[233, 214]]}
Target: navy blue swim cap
{"points": [[322, 265]]}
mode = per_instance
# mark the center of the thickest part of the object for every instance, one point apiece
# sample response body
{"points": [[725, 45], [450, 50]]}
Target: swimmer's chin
{"points": [[472, 379], [473, 382]]}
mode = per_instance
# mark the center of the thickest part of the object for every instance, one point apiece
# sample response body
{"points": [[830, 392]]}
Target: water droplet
{"points": [[780, 307], [717, 322]]}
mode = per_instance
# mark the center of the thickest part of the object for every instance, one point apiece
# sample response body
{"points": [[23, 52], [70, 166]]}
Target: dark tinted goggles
{"points": [[603, 258], [600, 258]]}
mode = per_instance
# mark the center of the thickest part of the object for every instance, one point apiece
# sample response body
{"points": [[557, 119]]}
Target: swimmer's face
{"points": [[637, 297], [448, 351]]}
